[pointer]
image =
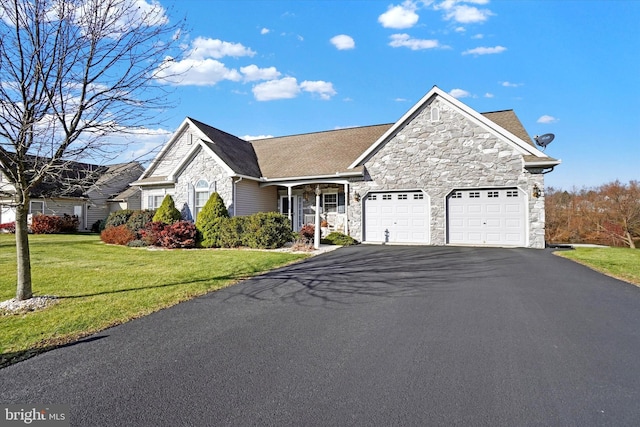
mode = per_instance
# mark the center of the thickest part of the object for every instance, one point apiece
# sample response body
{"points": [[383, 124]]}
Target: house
{"points": [[442, 174], [86, 190]]}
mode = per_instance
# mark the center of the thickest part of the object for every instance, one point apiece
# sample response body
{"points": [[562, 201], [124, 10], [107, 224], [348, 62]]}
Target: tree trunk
{"points": [[23, 291]]}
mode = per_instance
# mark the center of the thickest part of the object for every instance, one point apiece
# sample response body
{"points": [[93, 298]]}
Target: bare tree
{"points": [[73, 72]]}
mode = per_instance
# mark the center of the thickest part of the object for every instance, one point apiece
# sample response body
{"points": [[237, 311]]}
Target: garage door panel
{"points": [[401, 217], [486, 217]]}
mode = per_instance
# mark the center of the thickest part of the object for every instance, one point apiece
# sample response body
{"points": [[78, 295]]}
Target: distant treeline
{"points": [[607, 215]]}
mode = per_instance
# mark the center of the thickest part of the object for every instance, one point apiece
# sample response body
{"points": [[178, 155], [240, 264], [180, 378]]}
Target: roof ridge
{"points": [[322, 131]]}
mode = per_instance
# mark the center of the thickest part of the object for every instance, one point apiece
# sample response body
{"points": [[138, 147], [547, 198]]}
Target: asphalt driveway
{"points": [[367, 335]]}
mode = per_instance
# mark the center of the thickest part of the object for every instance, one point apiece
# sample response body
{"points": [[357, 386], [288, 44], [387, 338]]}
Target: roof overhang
{"points": [[338, 177]]}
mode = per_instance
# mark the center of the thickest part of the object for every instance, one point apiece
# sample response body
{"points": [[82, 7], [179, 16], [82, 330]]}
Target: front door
{"points": [[296, 218]]}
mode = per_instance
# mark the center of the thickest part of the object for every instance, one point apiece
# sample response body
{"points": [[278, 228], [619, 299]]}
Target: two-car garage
{"points": [[479, 217]]}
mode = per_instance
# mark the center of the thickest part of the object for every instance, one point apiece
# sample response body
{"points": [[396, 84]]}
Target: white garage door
{"points": [[398, 217], [487, 217]]}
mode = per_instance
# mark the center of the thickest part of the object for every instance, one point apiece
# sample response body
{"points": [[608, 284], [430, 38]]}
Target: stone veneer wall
{"points": [[439, 156], [203, 167]]}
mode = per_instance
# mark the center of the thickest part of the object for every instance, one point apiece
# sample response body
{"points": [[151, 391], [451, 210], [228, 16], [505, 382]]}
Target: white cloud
{"points": [[460, 29], [323, 89], [343, 42], [265, 31], [401, 16], [509, 84], [252, 73], [488, 95], [547, 119], [285, 88], [485, 50], [459, 93], [404, 40], [478, 36], [400, 100], [204, 72], [468, 14], [215, 48]]}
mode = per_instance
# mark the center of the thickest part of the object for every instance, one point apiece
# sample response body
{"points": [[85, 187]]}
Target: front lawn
{"points": [[621, 263], [101, 285]]}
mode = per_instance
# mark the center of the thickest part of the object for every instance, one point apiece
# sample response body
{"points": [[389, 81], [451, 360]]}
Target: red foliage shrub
{"points": [[151, 232], [180, 234], [8, 227], [120, 235], [45, 224], [307, 232]]}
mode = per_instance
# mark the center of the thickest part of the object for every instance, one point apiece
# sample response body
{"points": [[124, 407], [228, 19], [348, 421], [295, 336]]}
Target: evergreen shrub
{"points": [[167, 212], [118, 218], [209, 220], [267, 230]]}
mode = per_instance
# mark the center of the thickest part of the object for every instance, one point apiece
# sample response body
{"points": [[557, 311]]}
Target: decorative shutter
{"points": [[341, 203], [191, 198]]}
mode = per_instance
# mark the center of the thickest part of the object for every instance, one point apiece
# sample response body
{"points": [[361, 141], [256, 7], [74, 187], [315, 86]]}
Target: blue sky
{"points": [[271, 68]]}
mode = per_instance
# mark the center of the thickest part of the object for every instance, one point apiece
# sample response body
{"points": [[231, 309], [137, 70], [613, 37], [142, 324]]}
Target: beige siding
{"points": [[251, 198]]}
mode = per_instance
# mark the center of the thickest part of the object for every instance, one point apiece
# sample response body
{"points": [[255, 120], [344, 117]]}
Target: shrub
{"points": [[167, 212], [69, 223], [118, 218], [150, 234], [307, 232], [8, 227], [231, 232], [209, 221], [139, 220], [341, 239], [137, 244], [180, 234], [267, 230], [120, 235], [45, 224], [99, 225]]}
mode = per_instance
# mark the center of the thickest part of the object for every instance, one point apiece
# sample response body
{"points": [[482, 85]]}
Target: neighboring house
{"points": [[442, 174], [82, 189]]}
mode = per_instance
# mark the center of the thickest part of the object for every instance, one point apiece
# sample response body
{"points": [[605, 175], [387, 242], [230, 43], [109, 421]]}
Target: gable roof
{"points": [[327, 153], [508, 118], [237, 153]]}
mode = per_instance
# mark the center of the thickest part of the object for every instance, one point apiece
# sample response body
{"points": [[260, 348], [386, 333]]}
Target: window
{"points": [[373, 197], [456, 195], [386, 197], [435, 114], [36, 207], [418, 196], [474, 195], [154, 201], [330, 202], [492, 194], [202, 195], [402, 197], [512, 193]]}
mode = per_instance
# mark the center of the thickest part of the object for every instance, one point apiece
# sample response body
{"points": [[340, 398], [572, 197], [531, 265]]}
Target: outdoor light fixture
{"points": [[356, 197], [537, 192]]}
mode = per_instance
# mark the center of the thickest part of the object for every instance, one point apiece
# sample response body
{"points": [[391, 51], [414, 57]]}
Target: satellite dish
{"points": [[544, 140]]}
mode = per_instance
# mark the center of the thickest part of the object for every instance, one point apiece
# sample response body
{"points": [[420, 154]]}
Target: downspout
{"points": [[290, 213], [235, 195], [346, 209]]}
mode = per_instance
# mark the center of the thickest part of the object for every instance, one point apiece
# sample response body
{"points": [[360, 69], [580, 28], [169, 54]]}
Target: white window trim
{"points": [[31, 203], [324, 202]]}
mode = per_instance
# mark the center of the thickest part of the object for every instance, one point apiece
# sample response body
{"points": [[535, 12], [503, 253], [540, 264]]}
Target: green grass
{"points": [[621, 263], [101, 285]]}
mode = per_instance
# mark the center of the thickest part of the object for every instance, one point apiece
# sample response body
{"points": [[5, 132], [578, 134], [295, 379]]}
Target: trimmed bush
{"points": [[69, 223], [209, 221], [99, 225], [118, 218], [167, 212], [137, 244], [45, 224], [307, 232], [120, 235], [180, 234], [8, 227], [341, 239], [231, 232], [139, 220], [150, 234], [267, 230]]}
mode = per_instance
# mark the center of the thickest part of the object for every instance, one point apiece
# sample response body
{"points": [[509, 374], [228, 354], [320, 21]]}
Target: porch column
{"points": [[346, 208], [290, 213], [316, 234]]}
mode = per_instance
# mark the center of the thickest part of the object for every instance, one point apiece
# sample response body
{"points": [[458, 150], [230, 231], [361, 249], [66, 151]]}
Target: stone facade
{"points": [[439, 156]]}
